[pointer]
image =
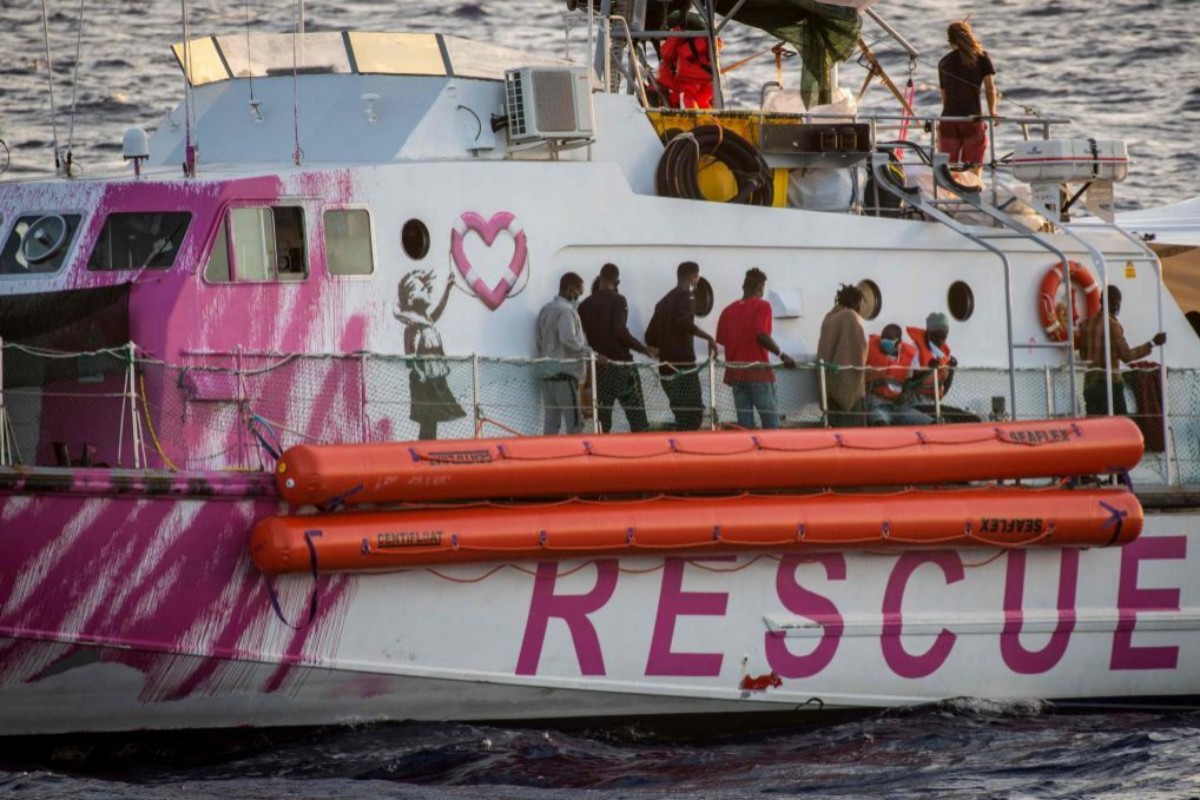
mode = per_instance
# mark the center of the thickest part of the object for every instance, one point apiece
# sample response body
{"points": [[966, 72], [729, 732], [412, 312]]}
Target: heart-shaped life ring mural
{"points": [[493, 289]]}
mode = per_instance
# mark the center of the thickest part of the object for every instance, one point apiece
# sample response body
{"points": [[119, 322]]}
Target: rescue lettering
{"points": [[409, 539]]}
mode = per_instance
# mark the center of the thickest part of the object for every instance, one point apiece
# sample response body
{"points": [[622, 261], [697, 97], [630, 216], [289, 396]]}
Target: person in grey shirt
{"points": [[560, 336]]}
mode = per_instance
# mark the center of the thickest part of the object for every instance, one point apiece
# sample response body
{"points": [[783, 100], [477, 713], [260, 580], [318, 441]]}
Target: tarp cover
{"points": [[822, 32]]}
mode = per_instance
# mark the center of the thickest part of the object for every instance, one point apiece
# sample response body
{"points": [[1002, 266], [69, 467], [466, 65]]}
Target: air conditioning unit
{"points": [[548, 103]]}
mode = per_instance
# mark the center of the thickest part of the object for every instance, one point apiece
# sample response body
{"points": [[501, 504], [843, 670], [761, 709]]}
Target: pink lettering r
{"points": [[673, 603], [819, 609], [1131, 599], [903, 663], [1016, 656], [570, 608]]}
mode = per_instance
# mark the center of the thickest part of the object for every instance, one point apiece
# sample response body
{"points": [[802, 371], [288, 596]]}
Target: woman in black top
{"points": [[962, 73]]}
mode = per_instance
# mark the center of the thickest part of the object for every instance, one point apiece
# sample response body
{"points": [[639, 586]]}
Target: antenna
{"points": [[50, 74], [189, 150], [74, 88], [297, 153]]}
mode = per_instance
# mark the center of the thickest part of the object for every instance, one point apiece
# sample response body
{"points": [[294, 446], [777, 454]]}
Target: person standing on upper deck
{"points": [[605, 317], [1091, 349], [673, 331], [962, 73], [842, 353], [744, 330], [560, 337]]}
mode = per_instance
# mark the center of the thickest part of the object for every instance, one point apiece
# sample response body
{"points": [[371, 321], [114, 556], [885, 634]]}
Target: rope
{"points": [[314, 595], [150, 426]]}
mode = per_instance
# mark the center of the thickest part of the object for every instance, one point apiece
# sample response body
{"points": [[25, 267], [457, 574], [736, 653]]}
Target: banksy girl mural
{"points": [[428, 388]]}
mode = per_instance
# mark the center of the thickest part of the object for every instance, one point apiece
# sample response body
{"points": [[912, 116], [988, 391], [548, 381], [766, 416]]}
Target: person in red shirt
{"points": [[686, 71], [744, 330]]}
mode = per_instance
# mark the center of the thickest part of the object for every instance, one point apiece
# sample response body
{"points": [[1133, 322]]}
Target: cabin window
{"points": [[348, 242], [139, 241], [414, 237], [872, 302], [259, 244], [38, 244], [961, 300]]}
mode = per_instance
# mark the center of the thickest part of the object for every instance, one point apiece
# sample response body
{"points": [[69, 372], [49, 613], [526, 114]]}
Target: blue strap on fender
{"points": [[314, 596], [1116, 519]]}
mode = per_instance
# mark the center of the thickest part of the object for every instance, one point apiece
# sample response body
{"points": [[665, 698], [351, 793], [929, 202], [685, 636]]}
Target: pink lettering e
{"points": [[819, 609], [1015, 655], [570, 608], [903, 663], [1131, 600], [673, 603]]}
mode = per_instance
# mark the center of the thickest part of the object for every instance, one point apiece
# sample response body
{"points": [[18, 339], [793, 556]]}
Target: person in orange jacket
{"points": [[933, 355], [686, 71], [889, 367]]}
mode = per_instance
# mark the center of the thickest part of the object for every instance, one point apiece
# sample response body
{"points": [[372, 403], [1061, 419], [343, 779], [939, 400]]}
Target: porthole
{"points": [[872, 302], [961, 300], [703, 298], [415, 238]]}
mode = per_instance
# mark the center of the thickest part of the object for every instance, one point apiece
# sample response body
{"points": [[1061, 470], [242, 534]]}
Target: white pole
{"points": [[5, 454], [475, 395]]}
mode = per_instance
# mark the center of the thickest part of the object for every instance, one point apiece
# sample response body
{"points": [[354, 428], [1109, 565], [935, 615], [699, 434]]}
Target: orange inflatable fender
{"points": [[1052, 314], [488, 532], [710, 461]]}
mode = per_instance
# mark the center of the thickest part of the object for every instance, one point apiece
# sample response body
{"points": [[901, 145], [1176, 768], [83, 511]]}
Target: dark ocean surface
{"points": [[1121, 68], [959, 749]]}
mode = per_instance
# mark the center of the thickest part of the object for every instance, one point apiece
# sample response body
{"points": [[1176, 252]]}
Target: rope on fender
{"points": [[678, 173], [313, 598]]}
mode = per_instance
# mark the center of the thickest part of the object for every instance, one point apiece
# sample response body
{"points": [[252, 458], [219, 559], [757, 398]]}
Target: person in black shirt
{"points": [[605, 316], [672, 330], [962, 73]]}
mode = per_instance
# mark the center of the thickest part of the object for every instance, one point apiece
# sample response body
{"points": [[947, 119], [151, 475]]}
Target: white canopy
{"points": [[1177, 224]]}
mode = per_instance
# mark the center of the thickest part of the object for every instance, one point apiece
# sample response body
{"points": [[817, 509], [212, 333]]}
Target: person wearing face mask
{"points": [[673, 330], [560, 337], [933, 356], [889, 367]]}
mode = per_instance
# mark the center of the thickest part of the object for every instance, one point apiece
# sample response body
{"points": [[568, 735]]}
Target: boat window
{"points": [[259, 244], [217, 268], [38, 244], [397, 53], [872, 303], [961, 301], [414, 236], [139, 241], [348, 242], [279, 53], [268, 244]]}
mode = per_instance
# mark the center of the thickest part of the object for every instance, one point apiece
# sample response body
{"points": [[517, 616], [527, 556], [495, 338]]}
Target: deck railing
{"points": [[222, 411]]}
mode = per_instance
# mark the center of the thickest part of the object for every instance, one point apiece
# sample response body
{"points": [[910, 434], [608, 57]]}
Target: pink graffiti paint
{"points": [[1020, 659], [673, 603], [159, 584], [902, 662], [573, 609], [470, 222], [1131, 599], [819, 609]]}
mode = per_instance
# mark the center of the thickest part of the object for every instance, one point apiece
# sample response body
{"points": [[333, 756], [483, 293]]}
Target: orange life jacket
{"points": [[886, 374], [926, 356]]}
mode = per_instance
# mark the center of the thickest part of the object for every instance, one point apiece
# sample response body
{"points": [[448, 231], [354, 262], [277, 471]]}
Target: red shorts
{"points": [[964, 142]]}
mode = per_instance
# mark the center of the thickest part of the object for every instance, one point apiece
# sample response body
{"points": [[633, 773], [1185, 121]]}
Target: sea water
{"points": [[1125, 69]]}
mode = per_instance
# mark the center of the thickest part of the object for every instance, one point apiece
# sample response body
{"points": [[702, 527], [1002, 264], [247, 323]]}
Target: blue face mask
{"points": [[889, 346]]}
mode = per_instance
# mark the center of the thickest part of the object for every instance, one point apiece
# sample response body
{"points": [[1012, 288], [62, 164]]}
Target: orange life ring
{"points": [[1052, 313]]}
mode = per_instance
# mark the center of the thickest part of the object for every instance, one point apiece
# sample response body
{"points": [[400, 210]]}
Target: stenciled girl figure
{"points": [[428, 390]]}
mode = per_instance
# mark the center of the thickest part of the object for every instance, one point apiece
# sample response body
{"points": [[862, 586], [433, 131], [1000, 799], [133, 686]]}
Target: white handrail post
{"points": [[476, 404], [1049, 395], [595, 393], [364, 422], [824, 392], [712, 393], [135, 423], [937, 397]]}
